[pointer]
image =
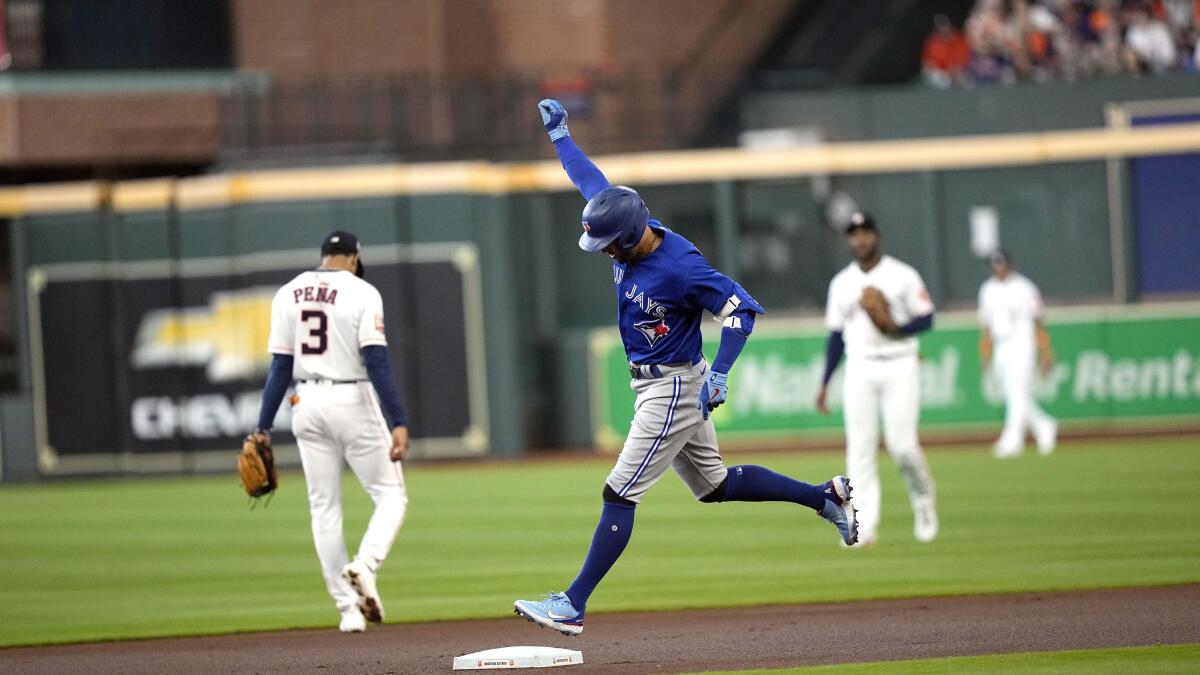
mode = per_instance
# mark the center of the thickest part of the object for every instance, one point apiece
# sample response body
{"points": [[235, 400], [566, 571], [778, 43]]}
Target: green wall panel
{"points": [[66, 238], [920, 112], [1053, 219], [142, 235]]}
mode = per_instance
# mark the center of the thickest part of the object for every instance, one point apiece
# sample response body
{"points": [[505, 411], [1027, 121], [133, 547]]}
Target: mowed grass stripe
{"points": [[180, 556], [1162, 660]]}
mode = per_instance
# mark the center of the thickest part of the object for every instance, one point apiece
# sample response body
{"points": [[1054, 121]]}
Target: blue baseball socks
{"points": [[751, 483], [612, 534], [745, 483]]}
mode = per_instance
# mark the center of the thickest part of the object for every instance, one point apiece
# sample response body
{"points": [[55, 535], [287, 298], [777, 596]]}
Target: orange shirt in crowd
{"points": [[1038, 44], [1100, 21], [946, 52]]}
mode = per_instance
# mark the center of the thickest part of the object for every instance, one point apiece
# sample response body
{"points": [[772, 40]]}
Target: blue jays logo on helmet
{"points": [[617, 215]]}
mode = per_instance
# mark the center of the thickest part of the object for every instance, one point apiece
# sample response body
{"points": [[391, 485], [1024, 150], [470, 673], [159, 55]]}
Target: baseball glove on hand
{"points": [[876, 307], [256, 465]]}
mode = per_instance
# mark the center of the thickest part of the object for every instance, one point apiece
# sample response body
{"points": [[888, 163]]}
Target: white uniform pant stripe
{"points": [[383, 427], [658, 441], [386, 521]]}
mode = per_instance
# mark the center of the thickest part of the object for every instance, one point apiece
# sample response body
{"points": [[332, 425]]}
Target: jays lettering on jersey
{"points": [[662, 297]]}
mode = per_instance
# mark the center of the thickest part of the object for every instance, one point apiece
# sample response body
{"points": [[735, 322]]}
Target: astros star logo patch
{"points": [[653, 330]]}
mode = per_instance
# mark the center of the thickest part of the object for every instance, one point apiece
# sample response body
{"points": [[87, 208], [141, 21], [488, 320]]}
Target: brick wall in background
{"points": [[304, 38], [661, 33], [113, 129], [298, 38], [554, 38], [612, 54], [8, 129]]}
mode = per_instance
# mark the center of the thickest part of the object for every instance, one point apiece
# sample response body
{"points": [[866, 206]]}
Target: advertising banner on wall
{"points": [[158, 365], [1113, 365]]}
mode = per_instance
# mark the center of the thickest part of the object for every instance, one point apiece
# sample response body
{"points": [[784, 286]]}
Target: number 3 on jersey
{"points": [[318, 332]]}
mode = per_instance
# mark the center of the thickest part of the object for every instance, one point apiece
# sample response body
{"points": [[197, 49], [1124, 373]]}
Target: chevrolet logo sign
{"points": [[229, 336]]}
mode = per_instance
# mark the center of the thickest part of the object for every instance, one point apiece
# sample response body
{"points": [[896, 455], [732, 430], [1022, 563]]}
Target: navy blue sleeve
{"points": [[278, 380], [917, 325], [583, 173], [375, 358], [733, 339], [834, 347]]}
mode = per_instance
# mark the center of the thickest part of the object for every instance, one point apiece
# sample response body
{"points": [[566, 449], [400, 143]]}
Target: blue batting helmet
{"points": [[615, 214]]}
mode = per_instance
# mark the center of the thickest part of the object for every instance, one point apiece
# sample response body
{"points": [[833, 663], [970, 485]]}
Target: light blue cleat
{"points": [[839, 510], [554, 611]]}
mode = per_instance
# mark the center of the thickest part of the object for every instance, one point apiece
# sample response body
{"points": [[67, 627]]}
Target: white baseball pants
{"points": [[332, 423], [891, 387], [1015, 365]]}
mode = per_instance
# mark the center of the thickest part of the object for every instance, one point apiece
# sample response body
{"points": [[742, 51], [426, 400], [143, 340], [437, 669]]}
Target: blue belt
{"points": [[653, 371]]}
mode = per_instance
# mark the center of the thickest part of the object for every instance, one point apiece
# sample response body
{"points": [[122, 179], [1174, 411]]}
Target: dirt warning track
{"points": [[679, 641]]}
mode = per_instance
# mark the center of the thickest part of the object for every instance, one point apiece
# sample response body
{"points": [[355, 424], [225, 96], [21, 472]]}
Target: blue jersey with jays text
{"points": [[662, 298]]}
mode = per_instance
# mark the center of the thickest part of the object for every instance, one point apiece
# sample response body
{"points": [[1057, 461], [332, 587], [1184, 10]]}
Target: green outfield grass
{"points": [[1162, 660], [135, 558]]}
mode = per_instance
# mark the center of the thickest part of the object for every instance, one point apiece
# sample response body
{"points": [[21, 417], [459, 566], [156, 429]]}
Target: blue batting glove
{"points": [[714, 391], [554, 118]]}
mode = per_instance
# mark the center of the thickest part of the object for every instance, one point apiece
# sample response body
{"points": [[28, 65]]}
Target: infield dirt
{"points": [[679, 641]]}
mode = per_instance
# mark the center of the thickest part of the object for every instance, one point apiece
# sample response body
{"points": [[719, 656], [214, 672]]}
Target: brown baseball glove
{"points": [[256, 465], [876, 307]]}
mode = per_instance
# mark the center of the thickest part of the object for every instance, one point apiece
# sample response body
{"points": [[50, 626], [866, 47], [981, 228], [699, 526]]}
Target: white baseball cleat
{"points": [[839, 508], [925, 522], [353, 621], [1005, 451], [362, 579], [1046, 436]]}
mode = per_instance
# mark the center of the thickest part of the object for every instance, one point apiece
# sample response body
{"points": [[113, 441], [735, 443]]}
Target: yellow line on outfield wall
{"points": [[53, 198], [693, 166], [142, 195]]}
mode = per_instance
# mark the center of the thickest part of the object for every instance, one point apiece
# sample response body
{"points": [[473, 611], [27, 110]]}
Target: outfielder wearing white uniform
{"points": [[327, 321], [1010, 313], [882, 376]]}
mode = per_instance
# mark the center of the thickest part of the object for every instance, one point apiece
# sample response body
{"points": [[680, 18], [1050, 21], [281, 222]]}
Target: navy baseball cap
{"points": [[341, 242], [860, 219]]}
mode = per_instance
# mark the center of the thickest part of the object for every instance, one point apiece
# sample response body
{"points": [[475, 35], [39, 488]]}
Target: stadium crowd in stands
{"points": [[1038, 40]]}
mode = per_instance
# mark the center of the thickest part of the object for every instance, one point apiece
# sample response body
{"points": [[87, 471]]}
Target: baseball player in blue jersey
{"points": [[663, 286]]}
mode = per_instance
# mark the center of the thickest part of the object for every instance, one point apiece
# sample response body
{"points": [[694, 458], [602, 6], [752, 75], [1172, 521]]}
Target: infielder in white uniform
{"points": [[327, 334], [883, 375], [1012, 339]]}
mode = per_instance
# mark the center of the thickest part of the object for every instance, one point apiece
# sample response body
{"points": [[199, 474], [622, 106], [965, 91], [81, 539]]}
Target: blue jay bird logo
{"points": [[653, 330]]}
